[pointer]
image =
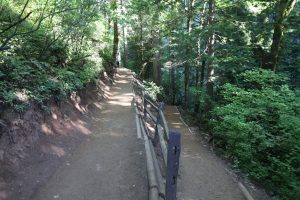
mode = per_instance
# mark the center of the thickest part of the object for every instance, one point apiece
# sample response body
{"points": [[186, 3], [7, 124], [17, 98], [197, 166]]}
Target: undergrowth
{"points": [[258, 127]]}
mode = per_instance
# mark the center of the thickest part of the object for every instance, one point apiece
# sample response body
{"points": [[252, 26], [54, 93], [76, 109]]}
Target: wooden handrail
{"points": [[162, 185], [151, 115], [152, 103], [164, 125]]}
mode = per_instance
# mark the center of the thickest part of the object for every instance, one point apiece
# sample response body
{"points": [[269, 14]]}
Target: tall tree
{"points": [[200, 69], [210, 48], [284, 8], [156, 56], [114, 7], [189, 9], [124, 34]]}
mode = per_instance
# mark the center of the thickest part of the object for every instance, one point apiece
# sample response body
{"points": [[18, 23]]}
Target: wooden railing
{"points": [[162, 145]]}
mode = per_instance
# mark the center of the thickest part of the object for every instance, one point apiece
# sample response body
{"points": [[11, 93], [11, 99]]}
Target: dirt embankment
{"points": [[32, 144]]}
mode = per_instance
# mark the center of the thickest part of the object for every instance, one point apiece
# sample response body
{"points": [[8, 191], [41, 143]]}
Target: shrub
{"points": [[258, 126], [152, 90]]}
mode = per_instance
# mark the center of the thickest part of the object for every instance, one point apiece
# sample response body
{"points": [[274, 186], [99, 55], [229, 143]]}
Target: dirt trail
{"points": [[202, 175], [110, 163]]}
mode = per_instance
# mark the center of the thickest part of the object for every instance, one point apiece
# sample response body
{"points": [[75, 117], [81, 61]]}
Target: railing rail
{"points": [[162, 147]]}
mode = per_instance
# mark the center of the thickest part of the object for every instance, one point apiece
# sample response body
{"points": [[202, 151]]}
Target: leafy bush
{"points": [[152, 89], [108, 61], [258, 126], [41, 81], [89, 72], [51, 58]]}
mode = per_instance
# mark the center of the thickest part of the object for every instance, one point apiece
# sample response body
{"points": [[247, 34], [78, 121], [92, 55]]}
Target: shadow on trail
{"points": [[110, 164]]}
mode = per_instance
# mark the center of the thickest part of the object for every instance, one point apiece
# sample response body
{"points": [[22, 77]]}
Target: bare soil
{"points": [[34, 145], [110, 162]]}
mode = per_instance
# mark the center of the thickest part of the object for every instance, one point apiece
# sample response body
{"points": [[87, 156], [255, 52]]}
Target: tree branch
{"points": [[45, 17], [16, 23], [3, 47]]}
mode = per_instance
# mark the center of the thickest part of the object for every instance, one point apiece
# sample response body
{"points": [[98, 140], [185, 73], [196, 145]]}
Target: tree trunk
{"points": [[197, 104], [142, 44], [201, 61], [156, 57], [284, 9], [116, 40], [173, 88], [189, 10], [202, 73], [210, 50], [125, 47], [186, 84], [116, 33], [124, 35]]}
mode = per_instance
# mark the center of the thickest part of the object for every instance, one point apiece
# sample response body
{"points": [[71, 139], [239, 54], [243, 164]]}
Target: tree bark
{"points": [[116, 33], [124, 35], [201, 61], [125, 47], [202, 73], [284, 9], [189, 10], [210, 49], [116, 41], [173, 84], [142, 42], [156, 57]]}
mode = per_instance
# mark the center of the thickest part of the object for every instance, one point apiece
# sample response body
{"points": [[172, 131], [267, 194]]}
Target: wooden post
{"points": [[161, 106], [156, 136], [172, 164], [158, 121], [145, 105]]}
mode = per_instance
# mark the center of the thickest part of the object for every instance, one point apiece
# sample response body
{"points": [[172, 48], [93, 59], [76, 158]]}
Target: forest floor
{"points": [[203, 175]]}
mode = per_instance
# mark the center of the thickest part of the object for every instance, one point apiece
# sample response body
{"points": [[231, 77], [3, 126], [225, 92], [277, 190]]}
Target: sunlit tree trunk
{"points": [[189, 11], [284, 9], [116, 31], [124, 35], [201, 60], [172, 72], [210, 49], [125, 47], [156, 57], [141, 44]]}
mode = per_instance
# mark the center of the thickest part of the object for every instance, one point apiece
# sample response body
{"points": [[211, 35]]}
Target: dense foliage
{"points": [[49, 48], [233, 66], [258, 126]]}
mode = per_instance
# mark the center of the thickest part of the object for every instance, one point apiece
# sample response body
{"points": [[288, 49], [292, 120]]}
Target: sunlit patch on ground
{"points": [[3, 190], [121, 100], [121, 81], [120, 103], [98, 105], [177, 125], [80, 125], [3, 195], [54, 150], [46, 129]]}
